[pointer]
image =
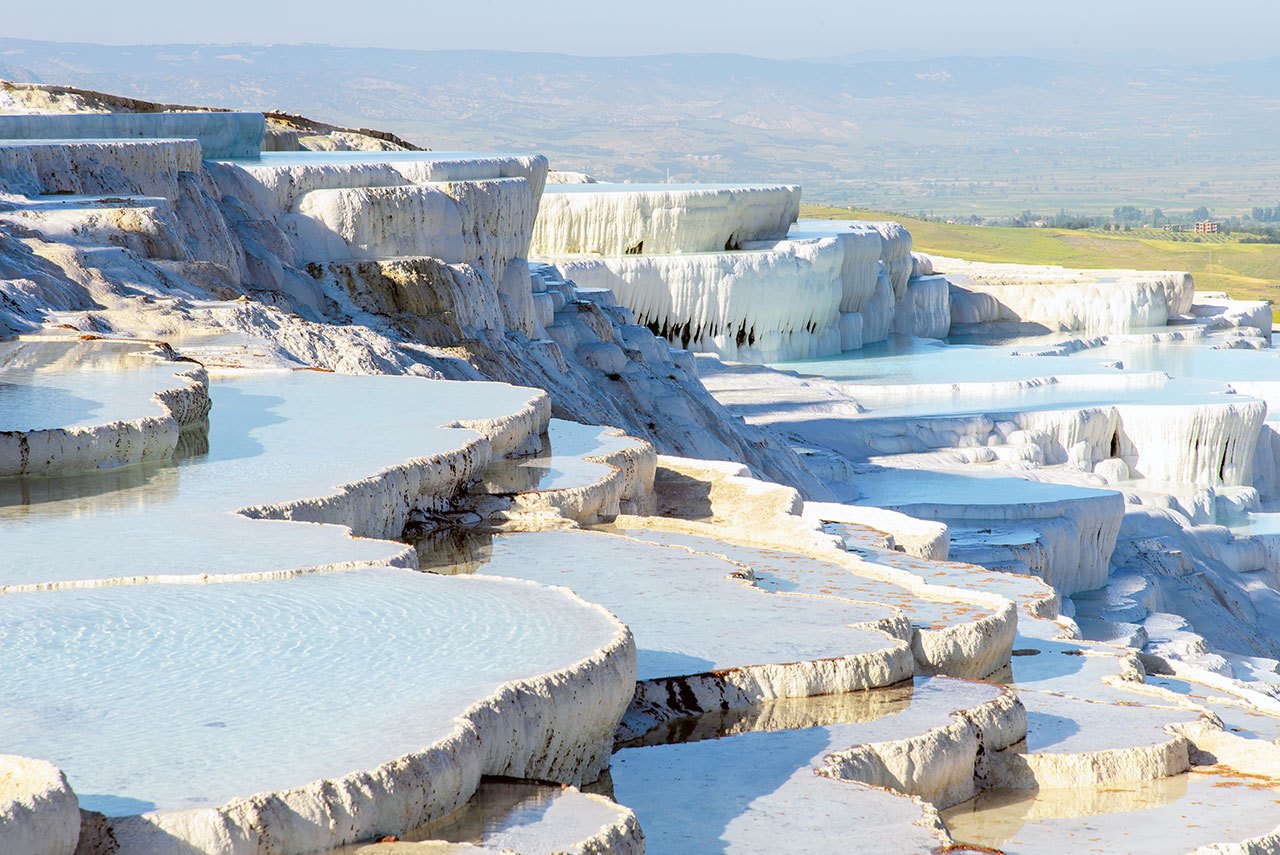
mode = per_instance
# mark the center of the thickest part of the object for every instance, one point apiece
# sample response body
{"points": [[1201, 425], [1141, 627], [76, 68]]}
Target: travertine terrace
{"points": [[363, 499]]}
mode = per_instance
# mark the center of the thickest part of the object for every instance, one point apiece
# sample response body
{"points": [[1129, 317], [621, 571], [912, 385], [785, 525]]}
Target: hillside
{"points": [[1218, 262], [953, 135]]}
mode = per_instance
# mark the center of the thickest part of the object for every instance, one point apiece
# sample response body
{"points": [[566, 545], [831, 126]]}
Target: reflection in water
{"points": [[996, 816], [451, 550], [559, 464], [782, 714], [505, 814], [143, 485], [497, 804], [59, 383]]}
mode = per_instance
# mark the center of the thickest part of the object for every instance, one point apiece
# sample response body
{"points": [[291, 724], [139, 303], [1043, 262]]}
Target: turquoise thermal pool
{"points": [[60, 384], [173, 696], [273, 438]]}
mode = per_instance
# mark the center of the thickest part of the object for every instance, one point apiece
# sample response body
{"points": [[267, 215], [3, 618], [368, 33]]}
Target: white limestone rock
{"points": [[863, 247], [96, 168], [1208, 445], [925, 311], [1062, 299], [484, 223], [728, 303], [654, 219], [39, 814], [220, 134]]}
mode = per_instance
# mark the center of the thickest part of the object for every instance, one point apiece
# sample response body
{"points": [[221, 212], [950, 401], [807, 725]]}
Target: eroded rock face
{"points": [[618, 219], [726, 303], [1060, 299]]}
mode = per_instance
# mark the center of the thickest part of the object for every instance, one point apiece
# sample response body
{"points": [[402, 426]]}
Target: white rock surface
{"points": [[654, 219], [149, 400], [1060, 299], [141, 167], [220, 134], [728, 303], [39, 814], [531, 819]]}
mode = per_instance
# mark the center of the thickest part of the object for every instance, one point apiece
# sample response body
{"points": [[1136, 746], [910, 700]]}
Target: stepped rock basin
{"points": [[1202, 807], [724, 781], [59, 384], [661, 593], [167, 698], [213, 623], [171, 697], [274, 438], [905, 377], [519, 816]]}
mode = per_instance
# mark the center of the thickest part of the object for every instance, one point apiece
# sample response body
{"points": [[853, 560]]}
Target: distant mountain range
{"points": [[954, 135]]}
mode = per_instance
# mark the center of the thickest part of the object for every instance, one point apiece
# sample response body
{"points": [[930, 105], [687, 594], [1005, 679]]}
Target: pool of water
{"points": [[175, 696], [901, 487], [751, 786], [515, 816], [662, 594], [273, 437], [64, 384], [905, 360], [1134, 818], [562, 463], [904, 376]]}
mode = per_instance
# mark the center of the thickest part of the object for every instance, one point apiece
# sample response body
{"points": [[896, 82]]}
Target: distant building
{"points": [[1174, 227], [1208, 227]]}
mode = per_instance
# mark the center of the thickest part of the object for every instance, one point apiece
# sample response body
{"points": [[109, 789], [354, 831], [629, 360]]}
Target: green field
{"points": [[1218, 262]]}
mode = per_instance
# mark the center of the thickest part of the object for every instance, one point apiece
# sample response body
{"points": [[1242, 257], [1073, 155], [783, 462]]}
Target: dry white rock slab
{"points": [[39, 814]]}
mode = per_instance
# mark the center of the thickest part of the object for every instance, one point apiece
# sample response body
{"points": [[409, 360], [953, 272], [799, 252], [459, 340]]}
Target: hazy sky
{"points": [[780, 28]]}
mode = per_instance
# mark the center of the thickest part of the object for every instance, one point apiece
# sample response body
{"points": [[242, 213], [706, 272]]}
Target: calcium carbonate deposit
{"points": [[359, 499]]}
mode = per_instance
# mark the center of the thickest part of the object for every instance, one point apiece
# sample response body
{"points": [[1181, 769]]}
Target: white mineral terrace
{"points": [[306, 647], [616, 219], [514, 816], [220, 134], [60, 384], [1042, 618], [770, 778], [68, 406], [167, 697], [847, 283], [660, 592], [1199, 809], [184, 519]]}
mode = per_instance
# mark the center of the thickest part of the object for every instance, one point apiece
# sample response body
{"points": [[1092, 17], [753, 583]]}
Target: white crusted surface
{"points": [[39, 814], [626, 575], [613, 219], [326, 465], [68, 406], [1062, 299], [728, 302], [221, 134], [532, 819]]}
